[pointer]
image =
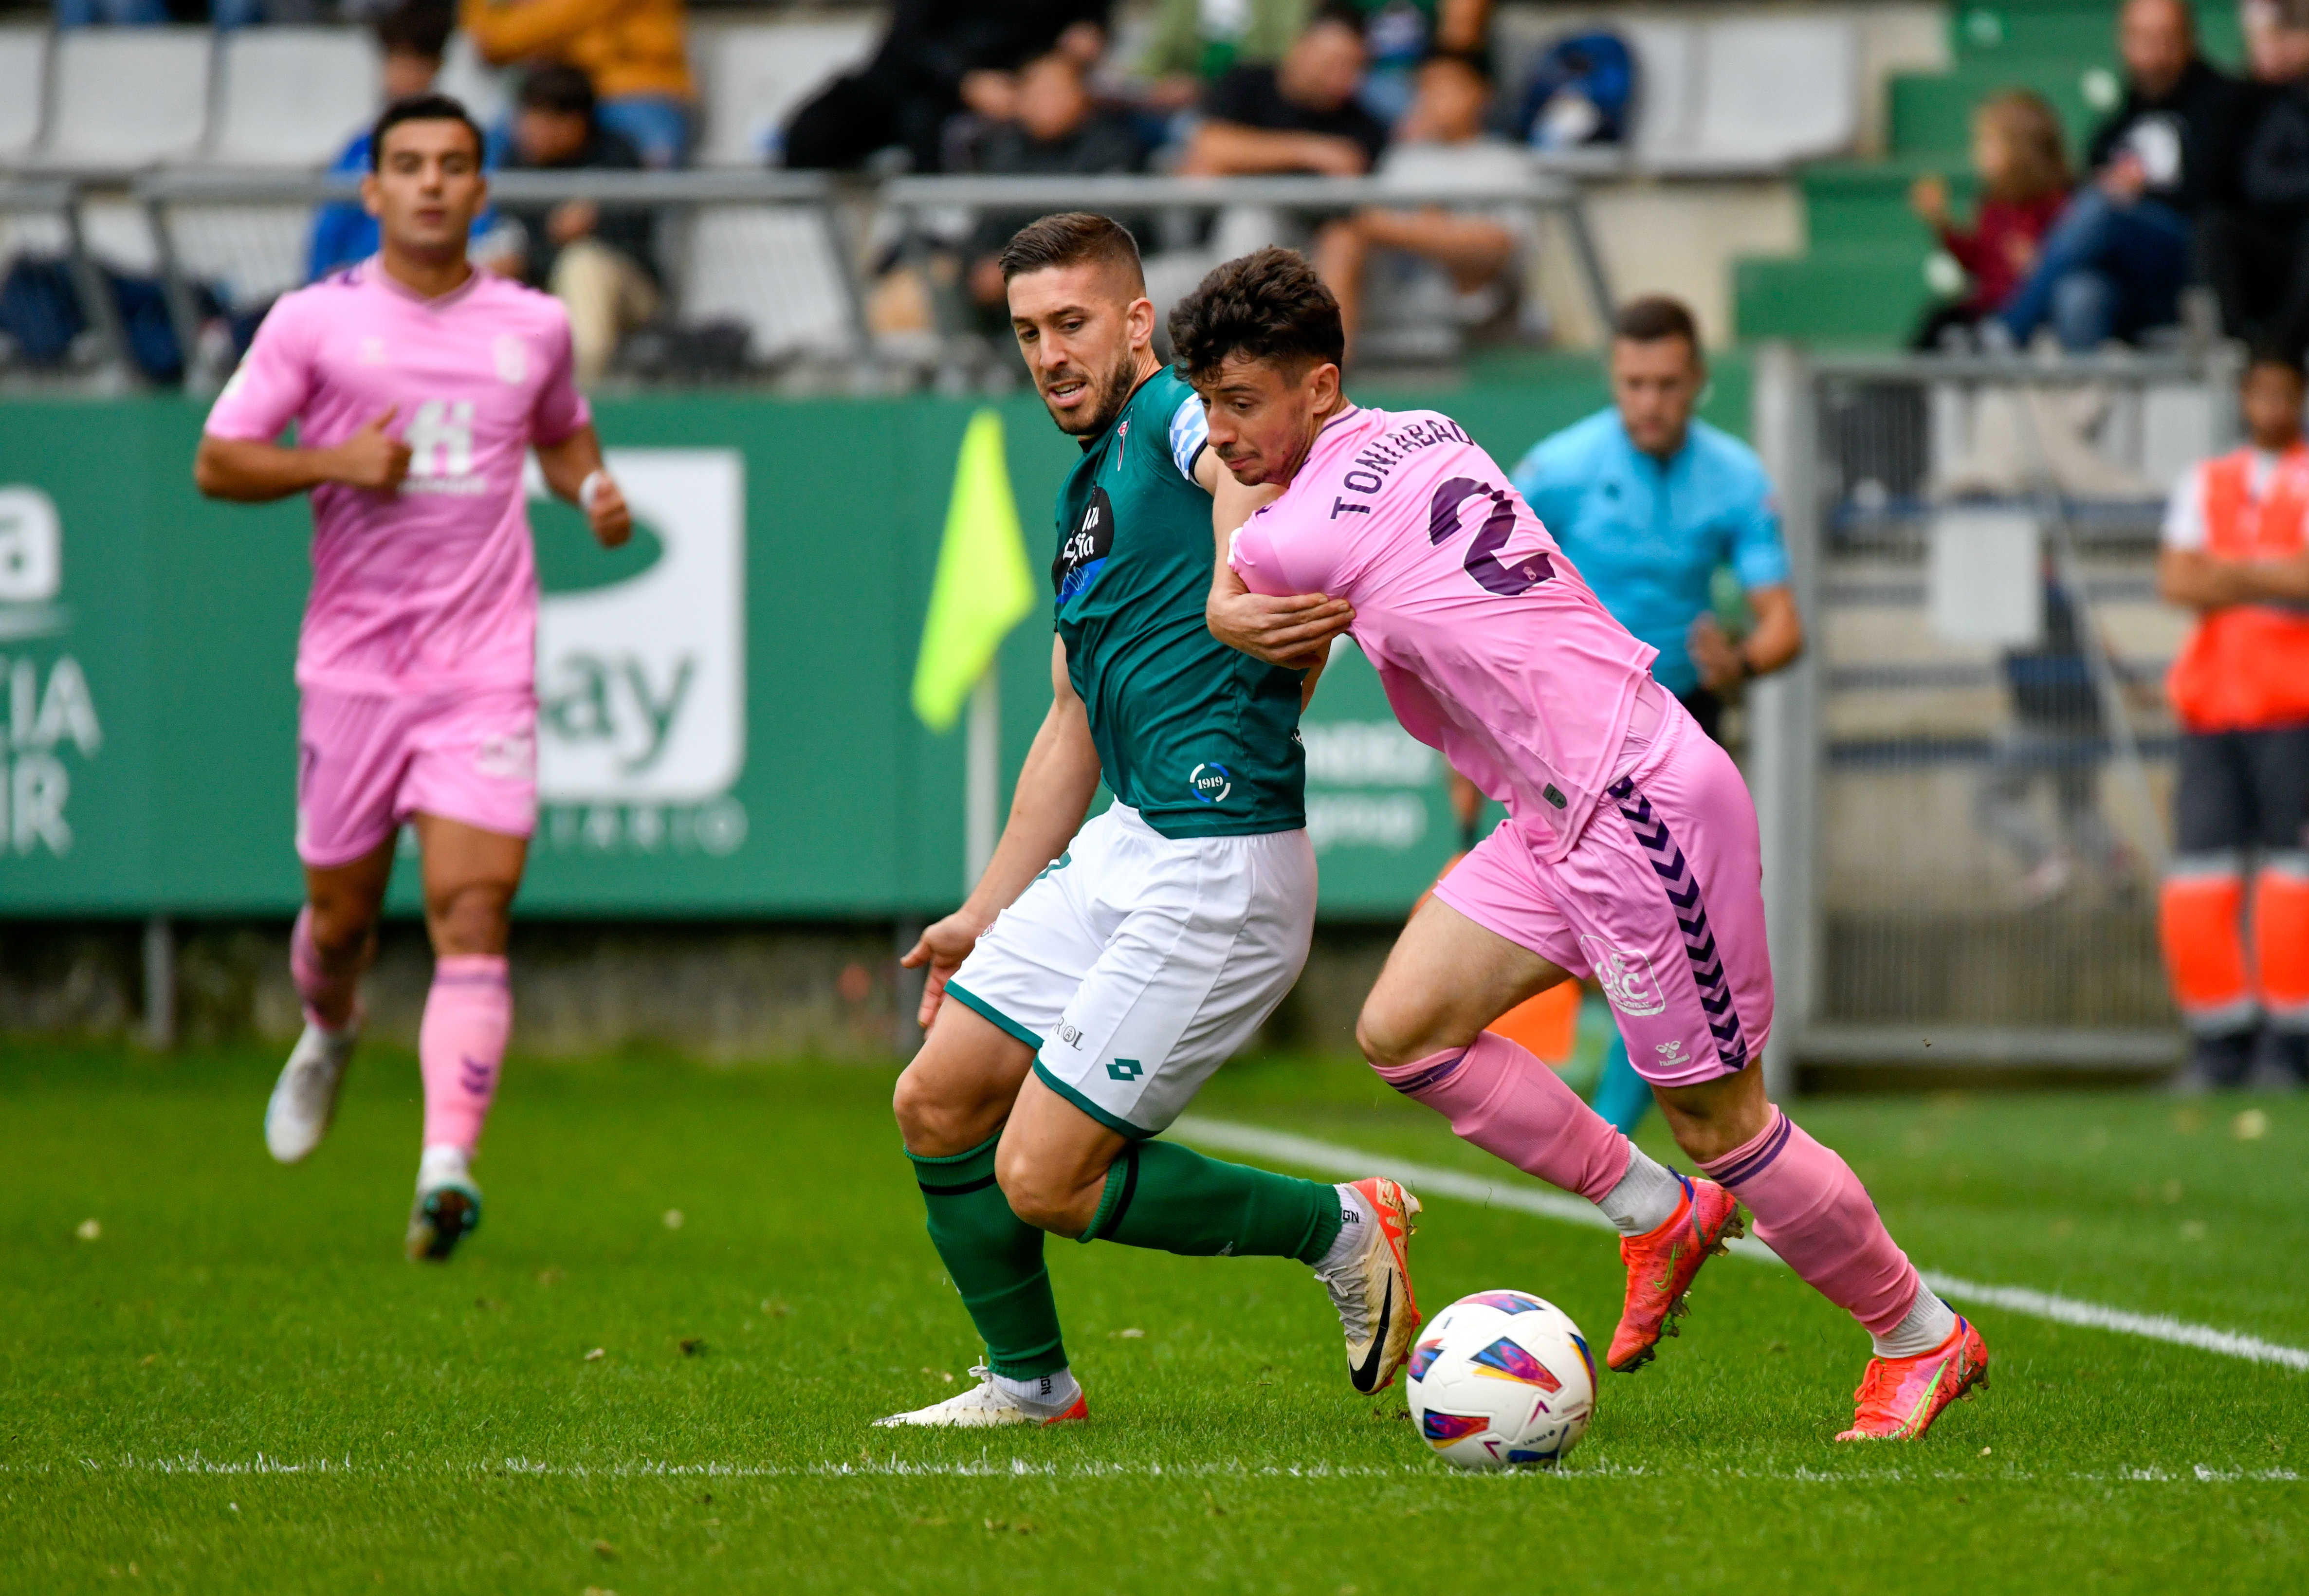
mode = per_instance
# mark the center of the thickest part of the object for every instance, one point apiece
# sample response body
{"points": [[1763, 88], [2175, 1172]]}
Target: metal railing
{"points": [[1964, 786], [265, 206]]}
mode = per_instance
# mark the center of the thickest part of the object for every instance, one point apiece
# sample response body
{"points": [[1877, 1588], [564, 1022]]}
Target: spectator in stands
{"points": [[1649, 502], [1441, 140], [635, 53], [1398, 35], [1058, 131], [1299, 115], [411, 39], [2236, 554], [1196, 43], [2017, 156], [2276, 39], [940, 58], [2115, 265], [2257, 252], [597, 260]]}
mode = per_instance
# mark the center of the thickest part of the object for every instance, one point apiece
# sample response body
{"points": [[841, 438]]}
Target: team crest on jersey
{"points": [[1626, 977], [1083, 556], [510, 357]]}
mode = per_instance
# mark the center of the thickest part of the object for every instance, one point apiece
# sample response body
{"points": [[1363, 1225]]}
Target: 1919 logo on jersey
{"points": [[1210, 782]]}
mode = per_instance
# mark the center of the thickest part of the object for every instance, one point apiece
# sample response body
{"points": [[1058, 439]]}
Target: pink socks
{"points": [[319, 988], [1508, 1103], [460, 1045], [1813, 1210]]}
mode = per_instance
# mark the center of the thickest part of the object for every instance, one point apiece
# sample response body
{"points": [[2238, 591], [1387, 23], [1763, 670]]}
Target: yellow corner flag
{"points": [[983, 586]]}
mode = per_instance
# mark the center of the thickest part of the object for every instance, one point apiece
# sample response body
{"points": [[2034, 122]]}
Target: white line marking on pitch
{"points": [[1090, 1468], [1428, 1180]]}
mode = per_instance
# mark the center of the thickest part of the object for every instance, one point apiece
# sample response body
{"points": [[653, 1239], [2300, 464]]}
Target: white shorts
{"points": [[1138, 964]]}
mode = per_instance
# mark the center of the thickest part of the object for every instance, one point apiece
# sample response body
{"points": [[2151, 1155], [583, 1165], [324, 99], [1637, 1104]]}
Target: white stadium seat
{"points": [[124, 98], [466, 78], [23, 68], [776, 268], [753, 77], [291, 97], [1774, 89]]}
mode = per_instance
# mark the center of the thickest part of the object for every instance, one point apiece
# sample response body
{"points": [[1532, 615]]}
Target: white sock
{"points": [[442, 1165], [1356, 1219], [1647, 1196], [1055, 1390], [1929, 1322]]}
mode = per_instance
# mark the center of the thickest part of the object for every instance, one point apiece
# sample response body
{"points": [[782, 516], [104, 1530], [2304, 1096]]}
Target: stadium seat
{"points": [[1776, 90], [125, 98], [465, 77], [753, 77], [24, 69], [1667, 81], [291, 97], [776, 268]]}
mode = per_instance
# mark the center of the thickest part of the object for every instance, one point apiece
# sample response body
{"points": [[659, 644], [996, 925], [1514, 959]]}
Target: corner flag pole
{"points": [[982, 589]]}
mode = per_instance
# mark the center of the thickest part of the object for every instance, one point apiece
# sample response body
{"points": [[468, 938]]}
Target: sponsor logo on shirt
{"points": [[1083, 554], [440, 439], [511, 357], [1626, 977]]}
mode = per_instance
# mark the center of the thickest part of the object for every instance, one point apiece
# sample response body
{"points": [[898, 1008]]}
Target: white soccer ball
{"points": [[1501, 1379]]}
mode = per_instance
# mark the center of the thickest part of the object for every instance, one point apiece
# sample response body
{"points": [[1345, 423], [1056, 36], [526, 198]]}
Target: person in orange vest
{"points": [[2234, 552]]}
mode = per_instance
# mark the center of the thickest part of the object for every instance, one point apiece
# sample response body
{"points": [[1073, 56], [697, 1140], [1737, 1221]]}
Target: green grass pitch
{"points": [[238, 1384]]}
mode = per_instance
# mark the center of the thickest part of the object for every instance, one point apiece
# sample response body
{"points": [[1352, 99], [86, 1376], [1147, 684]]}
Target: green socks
{"points": [[995, 1259], [1174, 1199]]}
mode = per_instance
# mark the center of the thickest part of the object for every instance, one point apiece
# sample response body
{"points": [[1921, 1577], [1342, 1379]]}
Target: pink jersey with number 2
{"points": [[434, 586], [1490, 645]]}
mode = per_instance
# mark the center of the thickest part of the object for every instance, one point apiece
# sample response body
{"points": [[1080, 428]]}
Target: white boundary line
{"points": [[1429, 1181], [984, 1468]]}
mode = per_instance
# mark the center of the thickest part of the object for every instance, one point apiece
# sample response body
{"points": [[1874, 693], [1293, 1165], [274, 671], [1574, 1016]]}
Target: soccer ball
{"points": [[1501, 1379]]}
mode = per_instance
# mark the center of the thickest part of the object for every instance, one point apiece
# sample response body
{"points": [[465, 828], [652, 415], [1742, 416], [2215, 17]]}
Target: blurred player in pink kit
{"points": [[417, 385], [1630, 853]]}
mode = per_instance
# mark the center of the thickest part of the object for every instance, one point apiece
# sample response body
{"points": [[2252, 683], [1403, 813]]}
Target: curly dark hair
{"points": [[1268, 304]]}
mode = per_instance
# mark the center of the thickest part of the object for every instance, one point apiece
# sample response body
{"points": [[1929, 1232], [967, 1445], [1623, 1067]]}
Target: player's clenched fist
{"points": [[606, 511], [372, 458]]}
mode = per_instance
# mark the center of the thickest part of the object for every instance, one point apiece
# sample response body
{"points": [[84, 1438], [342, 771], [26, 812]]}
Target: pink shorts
{"points": [[1660, 901], [366, 762]]}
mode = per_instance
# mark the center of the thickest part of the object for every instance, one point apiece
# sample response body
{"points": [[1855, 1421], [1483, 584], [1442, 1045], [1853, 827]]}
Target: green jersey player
{"points": [[1101, 971]]}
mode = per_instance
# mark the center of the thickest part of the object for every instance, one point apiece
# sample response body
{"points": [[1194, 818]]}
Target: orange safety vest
{"points": [[2246, 667]]}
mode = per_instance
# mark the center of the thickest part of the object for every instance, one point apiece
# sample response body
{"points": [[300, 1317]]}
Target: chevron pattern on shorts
{"points": [[1682, 888]]}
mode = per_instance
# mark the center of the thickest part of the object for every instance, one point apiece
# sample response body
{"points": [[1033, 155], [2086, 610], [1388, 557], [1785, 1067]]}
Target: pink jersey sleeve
{"points": [[1256, 555], [273, 382], [560, 409]]}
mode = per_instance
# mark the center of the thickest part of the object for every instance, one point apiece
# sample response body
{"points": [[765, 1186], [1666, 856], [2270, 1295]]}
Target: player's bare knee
{"points": [[1043, 1195], [470, 919], [1393, 1030], [341, 930], [933, 1124]]}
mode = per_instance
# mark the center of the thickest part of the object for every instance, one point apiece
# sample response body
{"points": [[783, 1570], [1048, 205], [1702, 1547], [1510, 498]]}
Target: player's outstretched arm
{"points": [[255, 472], [574, 472], [1294, 632], [1055, 786]]}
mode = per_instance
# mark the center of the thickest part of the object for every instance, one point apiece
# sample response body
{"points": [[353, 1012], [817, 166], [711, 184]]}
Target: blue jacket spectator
{"points": [[1648, 534]]}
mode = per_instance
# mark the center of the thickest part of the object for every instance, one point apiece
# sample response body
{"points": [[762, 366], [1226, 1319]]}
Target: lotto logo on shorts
{"points": [[1126, 1069], [1626, 977]]}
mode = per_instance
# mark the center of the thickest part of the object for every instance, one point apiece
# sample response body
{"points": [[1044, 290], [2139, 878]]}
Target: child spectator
{"points": [[2023, 169]]}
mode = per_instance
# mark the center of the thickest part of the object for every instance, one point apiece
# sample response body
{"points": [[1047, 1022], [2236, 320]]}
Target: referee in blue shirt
{"points": [[1648, 502]]}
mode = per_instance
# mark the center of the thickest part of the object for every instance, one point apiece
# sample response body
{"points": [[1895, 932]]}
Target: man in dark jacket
{"points": [[1058, 130], [598, 260], [2115, 265], [939, 58]]}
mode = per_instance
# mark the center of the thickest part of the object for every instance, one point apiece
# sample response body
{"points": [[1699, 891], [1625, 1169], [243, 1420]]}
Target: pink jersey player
{"points": [[1630, 853], [417, 385]]}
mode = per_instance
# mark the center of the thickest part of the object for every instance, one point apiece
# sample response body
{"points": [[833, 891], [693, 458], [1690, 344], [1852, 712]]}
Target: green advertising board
{"points": [[724, 726]]}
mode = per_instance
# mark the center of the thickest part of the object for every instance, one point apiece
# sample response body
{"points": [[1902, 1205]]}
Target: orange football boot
{"points": [[1900, 1397], [1661, 1266]]}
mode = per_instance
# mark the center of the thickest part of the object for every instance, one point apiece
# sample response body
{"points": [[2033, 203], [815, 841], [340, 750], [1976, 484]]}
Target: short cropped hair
{"points": [[416, 29], [1072, 238], [559, 89], [2283, 359], [421, 108], [1268, 304], [1655, 317]]}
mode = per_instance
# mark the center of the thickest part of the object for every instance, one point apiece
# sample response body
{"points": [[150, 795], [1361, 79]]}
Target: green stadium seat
{"points": [[1848, 294]]}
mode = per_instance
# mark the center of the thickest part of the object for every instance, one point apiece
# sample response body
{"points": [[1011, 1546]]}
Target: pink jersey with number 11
{"points": [[1490, 645]]}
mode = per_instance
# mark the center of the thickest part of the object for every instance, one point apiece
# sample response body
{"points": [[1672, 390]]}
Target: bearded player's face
{"points": [[1081, 329]]}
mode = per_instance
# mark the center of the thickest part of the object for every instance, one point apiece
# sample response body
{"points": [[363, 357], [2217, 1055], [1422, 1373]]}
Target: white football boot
{"points": [[986, 1405], [1371, 1283], [305, 1098], [448, 1206]]}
